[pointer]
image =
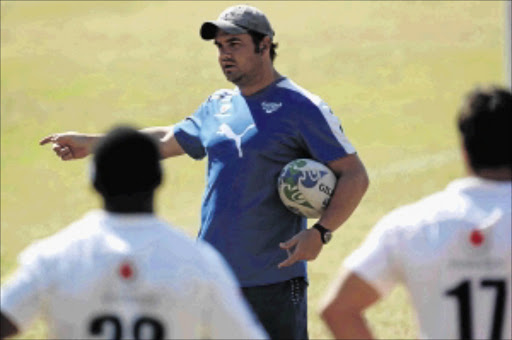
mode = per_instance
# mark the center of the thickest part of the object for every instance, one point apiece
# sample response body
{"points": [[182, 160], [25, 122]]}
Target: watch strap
{"points": [[323, 232]]}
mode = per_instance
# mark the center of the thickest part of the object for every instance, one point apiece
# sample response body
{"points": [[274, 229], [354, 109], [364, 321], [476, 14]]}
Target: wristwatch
{"points": [[325, 234]]}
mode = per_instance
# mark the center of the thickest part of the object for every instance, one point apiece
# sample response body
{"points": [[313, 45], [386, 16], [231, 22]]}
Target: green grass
{"points": [[394, 72]]}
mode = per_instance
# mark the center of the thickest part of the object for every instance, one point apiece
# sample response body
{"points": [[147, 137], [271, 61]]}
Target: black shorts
{"points": [[281, 308]]}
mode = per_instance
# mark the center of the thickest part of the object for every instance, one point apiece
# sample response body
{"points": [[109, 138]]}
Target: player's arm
{"points": [[369, 274], [350, 188], [76, 145], [343, 307], [25, 292], [7, 327], [169, 146]]}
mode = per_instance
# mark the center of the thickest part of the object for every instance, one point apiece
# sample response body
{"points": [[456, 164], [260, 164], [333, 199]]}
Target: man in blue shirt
{"points": [[249, 134]]}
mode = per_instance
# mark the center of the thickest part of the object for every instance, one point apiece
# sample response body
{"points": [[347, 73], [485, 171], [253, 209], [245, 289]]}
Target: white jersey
{"points": [[452, 251], [113, 276]]}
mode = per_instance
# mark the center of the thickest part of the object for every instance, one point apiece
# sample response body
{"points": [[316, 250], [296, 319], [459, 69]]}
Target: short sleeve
{"points": [[323, 135], [374, 260], [22, 294], [227, 314], [188, 133]]}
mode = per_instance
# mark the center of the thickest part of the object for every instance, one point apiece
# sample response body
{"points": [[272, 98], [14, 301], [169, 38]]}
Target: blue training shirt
{"points": [[248, 140]]}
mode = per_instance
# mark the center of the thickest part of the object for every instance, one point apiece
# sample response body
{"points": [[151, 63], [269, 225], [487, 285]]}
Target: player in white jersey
{"points": [[451, 250], [123, 273]]}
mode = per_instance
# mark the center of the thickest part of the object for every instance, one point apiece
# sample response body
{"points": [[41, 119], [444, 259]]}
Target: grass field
{"points": [[394, 72]]}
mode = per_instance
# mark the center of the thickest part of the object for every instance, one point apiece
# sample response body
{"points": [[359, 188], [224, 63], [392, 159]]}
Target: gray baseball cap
{"points": [[238, 20]]}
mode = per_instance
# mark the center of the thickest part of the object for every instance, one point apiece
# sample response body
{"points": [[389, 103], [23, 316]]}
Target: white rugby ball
{"points": [[305, 187]]}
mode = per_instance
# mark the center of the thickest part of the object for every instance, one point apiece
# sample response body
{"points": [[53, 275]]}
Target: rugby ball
{"points": [[305, 187]]}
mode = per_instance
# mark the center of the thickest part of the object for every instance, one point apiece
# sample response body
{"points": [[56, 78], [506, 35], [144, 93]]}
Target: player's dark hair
{"points": [[484, 122], [126, 164], [257, 38]]}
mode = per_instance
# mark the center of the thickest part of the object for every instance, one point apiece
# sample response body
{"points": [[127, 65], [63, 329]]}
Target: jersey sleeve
{"points": [[227, 314], [23, 293], [188, 133], [323, 135], [374, 260]]}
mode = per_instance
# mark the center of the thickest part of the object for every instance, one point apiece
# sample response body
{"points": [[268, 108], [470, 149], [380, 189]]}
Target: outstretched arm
{"points": [[75, 145], [169, 146]]}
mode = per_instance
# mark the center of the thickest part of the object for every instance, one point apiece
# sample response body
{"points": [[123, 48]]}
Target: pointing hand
{"points": [[70, 145]]}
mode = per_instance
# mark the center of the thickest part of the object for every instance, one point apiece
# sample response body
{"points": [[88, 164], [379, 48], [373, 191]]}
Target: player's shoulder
{"points": [[65, 239], [182, 244], [303, 100], [185, 249], [213, 265], [208, 256], [195, 259], [422, 213], [298, 93], [464, 199], [221, 94]]}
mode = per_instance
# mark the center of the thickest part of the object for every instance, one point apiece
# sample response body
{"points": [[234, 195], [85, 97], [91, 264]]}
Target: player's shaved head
{"points": [[126, 162]]}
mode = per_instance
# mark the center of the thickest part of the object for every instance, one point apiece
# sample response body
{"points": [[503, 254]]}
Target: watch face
{"points": [[327, 236]]}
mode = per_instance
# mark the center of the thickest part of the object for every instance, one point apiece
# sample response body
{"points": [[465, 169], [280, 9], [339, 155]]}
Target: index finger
{"points": [[47, 139], [289, 261], [289, 244]]}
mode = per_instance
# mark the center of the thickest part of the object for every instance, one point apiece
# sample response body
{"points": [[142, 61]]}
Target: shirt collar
{"points": [[118, 219], [237, 89]]}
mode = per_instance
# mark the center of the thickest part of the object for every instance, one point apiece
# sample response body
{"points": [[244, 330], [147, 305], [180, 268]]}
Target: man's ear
{"points": [[262, 48], [265, 44]]}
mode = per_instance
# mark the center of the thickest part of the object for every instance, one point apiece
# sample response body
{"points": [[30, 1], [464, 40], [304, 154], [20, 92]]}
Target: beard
{"points": [[234, 77]]}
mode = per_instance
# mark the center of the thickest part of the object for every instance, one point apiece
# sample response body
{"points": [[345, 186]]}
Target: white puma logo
{"points": [[225, 130]]}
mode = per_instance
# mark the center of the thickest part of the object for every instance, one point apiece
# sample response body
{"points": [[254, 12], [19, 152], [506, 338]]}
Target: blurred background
{"points": [[394, 72]]}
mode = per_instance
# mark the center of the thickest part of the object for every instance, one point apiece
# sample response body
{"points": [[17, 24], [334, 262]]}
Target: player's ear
{"points": [[265, 45]]}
